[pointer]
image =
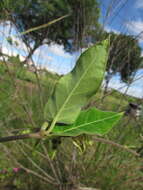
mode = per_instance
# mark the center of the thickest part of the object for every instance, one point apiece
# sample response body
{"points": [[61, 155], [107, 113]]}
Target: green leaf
{"points": [[74, 89], [91, 122]]}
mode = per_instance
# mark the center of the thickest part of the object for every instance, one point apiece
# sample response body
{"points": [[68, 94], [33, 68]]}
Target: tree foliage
{"points": [[124, 56], [72, 32]]}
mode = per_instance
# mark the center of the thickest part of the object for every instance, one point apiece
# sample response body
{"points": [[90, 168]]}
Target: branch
{"points": [[44, 25], [36, 135], [105, 141], [10, 156]]}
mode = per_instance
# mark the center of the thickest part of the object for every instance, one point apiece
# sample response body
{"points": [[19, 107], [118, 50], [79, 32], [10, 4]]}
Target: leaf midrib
{"points": [[89, 123], [68, 97]]}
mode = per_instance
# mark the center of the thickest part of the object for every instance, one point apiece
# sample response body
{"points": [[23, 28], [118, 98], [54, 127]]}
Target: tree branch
{"points": [[36, 135]]}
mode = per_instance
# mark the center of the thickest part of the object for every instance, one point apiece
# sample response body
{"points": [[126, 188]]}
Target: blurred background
{"points": [[40, 41]]}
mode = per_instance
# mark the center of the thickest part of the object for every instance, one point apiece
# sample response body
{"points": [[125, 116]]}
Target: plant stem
{"points": [[116, 145], [20, 137]]}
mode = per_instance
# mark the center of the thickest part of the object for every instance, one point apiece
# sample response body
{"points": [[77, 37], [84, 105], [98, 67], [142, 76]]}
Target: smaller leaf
{"points": [[91, 122]]}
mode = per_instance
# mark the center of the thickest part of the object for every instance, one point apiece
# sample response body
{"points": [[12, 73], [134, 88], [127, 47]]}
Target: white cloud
{"points": [[42, 53], [52, 57], [139, 4], [11, 52], [132, 91], [136, 28], [6, 28], [58, 50], [8, 51], [8, 31], [135, 89], [19, 44], [109, 29]]}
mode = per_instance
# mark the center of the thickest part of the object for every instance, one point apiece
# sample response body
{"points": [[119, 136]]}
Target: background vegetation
{"points": [[66, 163]]}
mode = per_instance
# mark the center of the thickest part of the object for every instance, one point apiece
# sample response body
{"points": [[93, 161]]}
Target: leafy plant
{"points": [[90, 157], [72, 93], [74, 89]]}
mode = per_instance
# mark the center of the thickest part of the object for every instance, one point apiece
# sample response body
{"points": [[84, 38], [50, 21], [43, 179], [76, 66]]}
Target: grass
{"points": [[92, 163]]}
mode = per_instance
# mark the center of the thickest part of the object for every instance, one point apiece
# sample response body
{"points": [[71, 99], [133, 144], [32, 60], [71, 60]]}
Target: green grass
{"points": [[97, 165]]}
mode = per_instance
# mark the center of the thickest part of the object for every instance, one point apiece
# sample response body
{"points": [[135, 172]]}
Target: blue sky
{"points": [[52, 57], [126, 16], [121, 12]]}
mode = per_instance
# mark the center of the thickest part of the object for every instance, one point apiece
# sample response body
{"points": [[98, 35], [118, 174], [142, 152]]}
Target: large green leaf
{"points": [[91, 121], [74, 89]]}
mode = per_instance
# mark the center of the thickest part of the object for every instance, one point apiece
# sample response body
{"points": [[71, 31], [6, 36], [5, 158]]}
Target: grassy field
{"points": [[96, 164]]}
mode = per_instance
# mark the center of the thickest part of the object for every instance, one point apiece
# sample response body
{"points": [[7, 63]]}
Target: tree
{"points": [[124, 57], [72, 32]]}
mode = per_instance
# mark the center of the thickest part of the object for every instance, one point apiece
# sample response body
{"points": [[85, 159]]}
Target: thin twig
{"points": [[44, 25], [36, 165], [50, 161], [24, 168], [105, 141], [45, 156]]}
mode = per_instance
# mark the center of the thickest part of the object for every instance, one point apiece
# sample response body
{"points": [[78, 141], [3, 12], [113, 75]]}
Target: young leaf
{"points": [[74, 89], [91, 122]]}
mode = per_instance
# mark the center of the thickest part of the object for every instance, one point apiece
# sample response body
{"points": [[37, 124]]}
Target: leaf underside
{"points": [[74, 89], [91, 122]]}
